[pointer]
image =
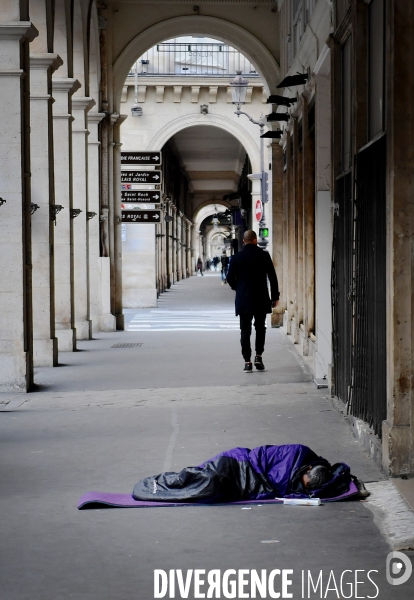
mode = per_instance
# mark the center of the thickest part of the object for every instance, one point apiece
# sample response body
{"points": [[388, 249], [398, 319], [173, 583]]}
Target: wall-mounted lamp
{"points": [[55, 210], [2, 201], [136, 111], [32, 207], [238, 87], [75, 212], [90, 215]]}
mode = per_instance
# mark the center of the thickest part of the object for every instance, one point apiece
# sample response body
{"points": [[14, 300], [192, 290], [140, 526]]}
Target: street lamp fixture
{"points": [[238, 90], [136, 110]]}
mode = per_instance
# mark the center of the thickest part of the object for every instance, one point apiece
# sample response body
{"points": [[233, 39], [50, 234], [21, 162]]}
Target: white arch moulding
{"points": [[201, 213], [238, 37], [246, 140]]}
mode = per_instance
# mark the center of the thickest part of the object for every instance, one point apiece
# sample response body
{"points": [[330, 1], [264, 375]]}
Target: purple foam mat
{"points": [[111, 500]]}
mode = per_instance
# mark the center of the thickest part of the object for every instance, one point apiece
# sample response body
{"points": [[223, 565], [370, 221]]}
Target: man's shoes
{"points": [[248, 367], [258, 363]]}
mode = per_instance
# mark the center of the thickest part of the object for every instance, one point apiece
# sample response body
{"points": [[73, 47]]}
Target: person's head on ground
{"points": [[250, 237], [315, 477]]}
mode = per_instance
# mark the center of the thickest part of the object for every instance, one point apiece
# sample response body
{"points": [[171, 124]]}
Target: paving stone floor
{"points": [[110, 415]]}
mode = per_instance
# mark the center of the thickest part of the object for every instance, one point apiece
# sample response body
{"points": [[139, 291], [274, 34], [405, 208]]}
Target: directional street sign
{"points": [[140, 158], [141, 216], [141, 196], [141, 176]]}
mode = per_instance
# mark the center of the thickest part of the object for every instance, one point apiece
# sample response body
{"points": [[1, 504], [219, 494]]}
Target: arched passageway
{"points": [[64, 65], [202, 164]]}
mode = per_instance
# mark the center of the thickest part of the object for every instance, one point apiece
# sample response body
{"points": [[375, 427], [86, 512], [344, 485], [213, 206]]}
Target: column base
{"points": [[83, 330], [120, 322], [397, 449], [276, 320], [45, 352], [106, 322], [13, 369], [66, 339]]}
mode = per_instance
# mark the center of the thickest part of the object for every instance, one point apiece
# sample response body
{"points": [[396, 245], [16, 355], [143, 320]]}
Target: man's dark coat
{"points": [[248, 274]]}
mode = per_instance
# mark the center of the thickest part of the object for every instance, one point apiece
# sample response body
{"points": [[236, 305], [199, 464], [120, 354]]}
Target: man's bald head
{"points": [[250, 237]]}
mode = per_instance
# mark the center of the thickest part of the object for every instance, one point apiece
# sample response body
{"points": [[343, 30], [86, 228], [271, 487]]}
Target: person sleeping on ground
{"points": [[288, 471]]}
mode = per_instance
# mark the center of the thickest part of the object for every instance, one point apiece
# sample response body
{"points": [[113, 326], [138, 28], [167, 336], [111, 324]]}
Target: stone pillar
{"points": [[277, 230], [323, 221], [45, 348], [398, 429], [118, 306], [63, 88], [194, 248], [80, 108], [16, 366], [99, 285]]}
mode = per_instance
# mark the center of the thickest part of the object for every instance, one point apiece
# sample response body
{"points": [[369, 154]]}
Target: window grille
{"points": [[186, 58]]}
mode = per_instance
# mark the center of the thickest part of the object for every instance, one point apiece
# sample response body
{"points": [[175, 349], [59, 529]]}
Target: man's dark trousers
{"points": [[246, 330], [248, 274]]}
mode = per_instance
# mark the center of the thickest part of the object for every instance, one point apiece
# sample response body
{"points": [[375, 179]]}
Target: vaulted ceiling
{"points": [[213, 160]]}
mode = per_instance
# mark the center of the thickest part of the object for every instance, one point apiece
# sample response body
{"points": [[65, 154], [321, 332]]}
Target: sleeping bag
{"points": [[243, 474]]}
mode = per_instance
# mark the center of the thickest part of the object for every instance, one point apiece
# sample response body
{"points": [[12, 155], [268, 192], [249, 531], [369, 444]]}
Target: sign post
{"points": [[141, 216], [140, 158], [153, 177], [153, 196]]}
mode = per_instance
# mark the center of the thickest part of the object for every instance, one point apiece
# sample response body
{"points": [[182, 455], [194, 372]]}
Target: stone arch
{"points": [[205, 211], [208, 203], [238, 37], [246, 140]]}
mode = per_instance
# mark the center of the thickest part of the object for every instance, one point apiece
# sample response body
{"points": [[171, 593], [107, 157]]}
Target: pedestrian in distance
{"points": [[248, 274], [199, 266], [224, 267]]}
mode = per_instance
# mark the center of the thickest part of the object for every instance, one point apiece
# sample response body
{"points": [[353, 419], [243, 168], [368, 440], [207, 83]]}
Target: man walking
{"points": [[248, 274]]}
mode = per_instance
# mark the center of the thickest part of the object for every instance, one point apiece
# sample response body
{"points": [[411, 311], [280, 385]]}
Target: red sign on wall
{"points": [[259, 210]]}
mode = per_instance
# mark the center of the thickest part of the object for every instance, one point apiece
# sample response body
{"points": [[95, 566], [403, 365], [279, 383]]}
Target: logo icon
{"points": [[398, 568]]}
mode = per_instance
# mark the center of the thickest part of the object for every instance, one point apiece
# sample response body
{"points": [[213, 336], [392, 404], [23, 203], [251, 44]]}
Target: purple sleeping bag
{"points": [[266, 474]]}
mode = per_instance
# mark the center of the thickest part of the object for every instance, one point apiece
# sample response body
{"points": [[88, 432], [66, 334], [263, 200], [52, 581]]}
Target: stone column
{"points": [[16, 367], [277, 230], [45, 348], [99, 280], [80, 108], [63, 88], [398, 428], [117, 212]]}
